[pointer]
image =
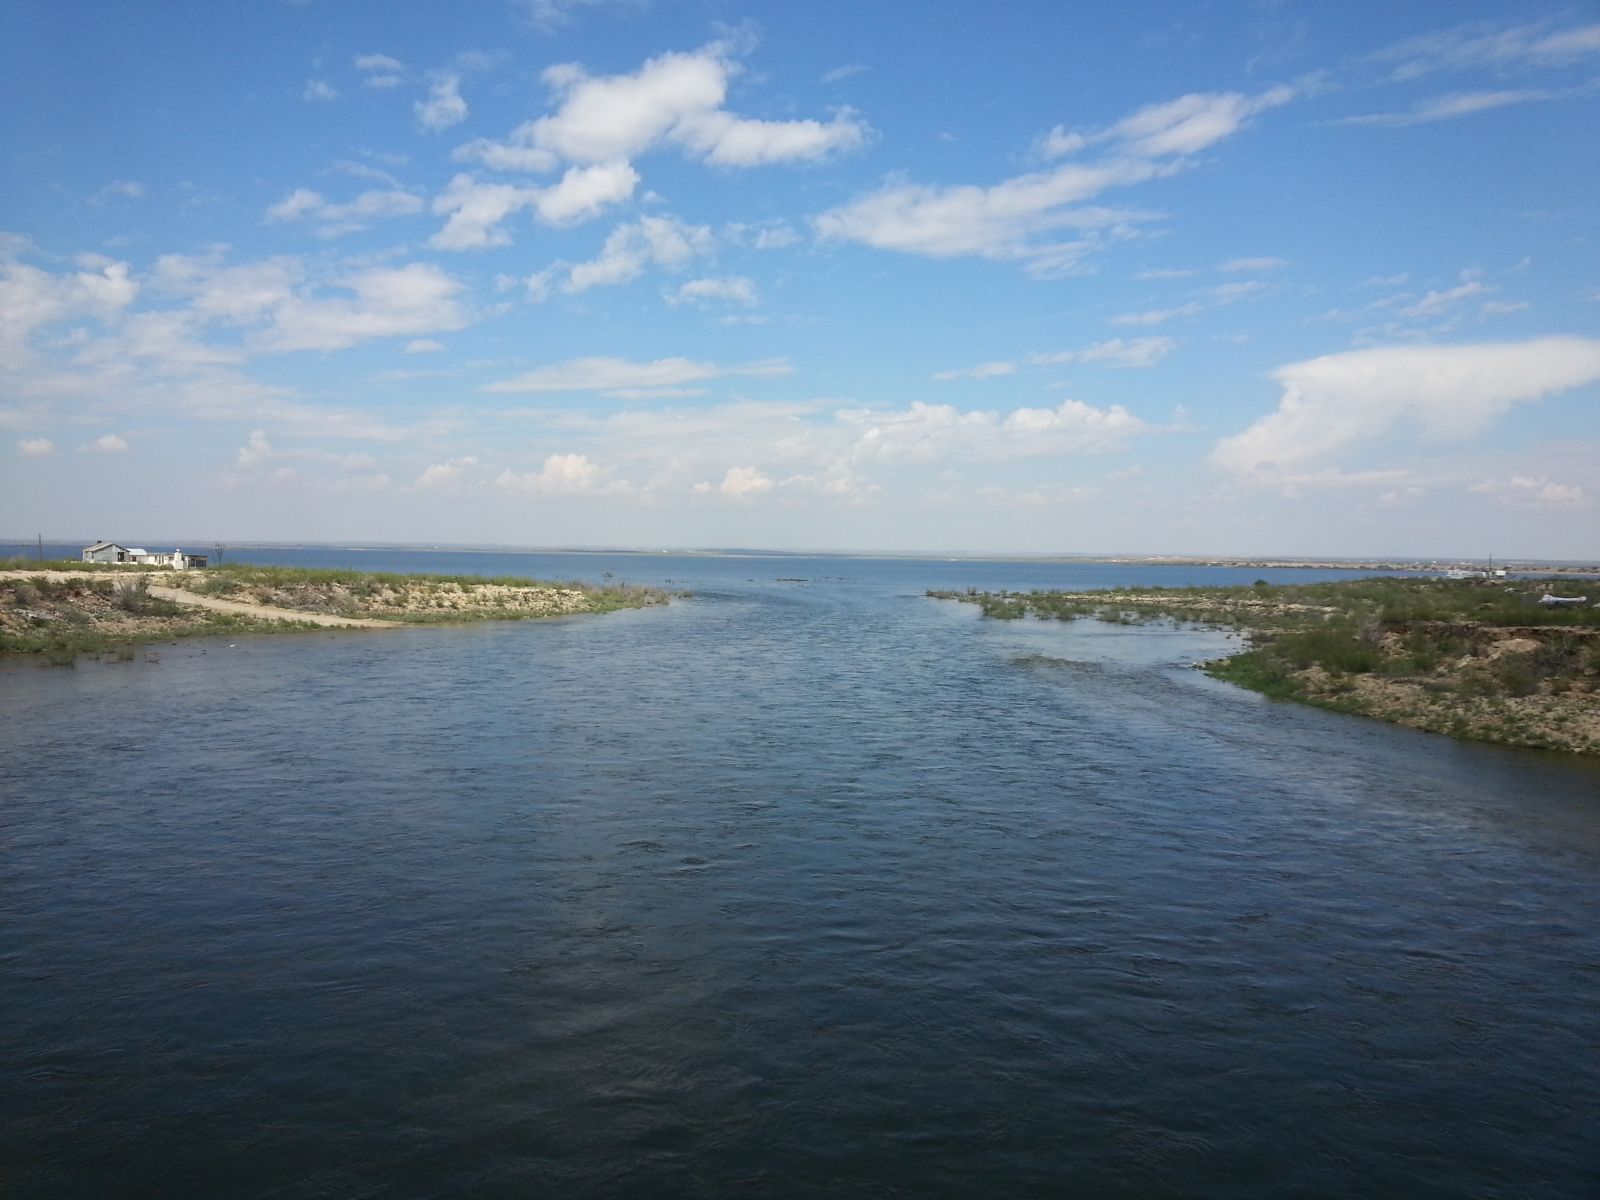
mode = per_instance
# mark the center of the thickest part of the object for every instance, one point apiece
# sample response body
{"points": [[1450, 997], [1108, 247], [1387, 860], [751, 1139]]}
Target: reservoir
{"points": [[805, 886]]}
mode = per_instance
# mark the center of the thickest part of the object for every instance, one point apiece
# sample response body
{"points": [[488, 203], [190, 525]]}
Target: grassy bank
{"points": [[416, 599], [1476, 659], [112, 609], [62, 619]]}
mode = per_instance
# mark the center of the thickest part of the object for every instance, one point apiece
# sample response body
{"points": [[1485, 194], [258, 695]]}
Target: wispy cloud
{"points": [[1019, 218], [1457, 104], [1485, 45], [637, 379]]}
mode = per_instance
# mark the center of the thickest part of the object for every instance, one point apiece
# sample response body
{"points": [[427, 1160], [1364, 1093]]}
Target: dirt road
{"points": [[178, 596]]}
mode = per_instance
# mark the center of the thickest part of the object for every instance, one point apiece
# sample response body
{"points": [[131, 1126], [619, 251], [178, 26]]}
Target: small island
{"points": [[60, 610], [1509, 661]]}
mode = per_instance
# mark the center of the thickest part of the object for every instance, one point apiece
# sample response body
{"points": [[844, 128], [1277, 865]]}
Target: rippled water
{"points": [[806, 886]]}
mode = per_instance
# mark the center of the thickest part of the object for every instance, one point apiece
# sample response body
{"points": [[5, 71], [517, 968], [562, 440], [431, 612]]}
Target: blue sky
{"points": [[1253, 278]]}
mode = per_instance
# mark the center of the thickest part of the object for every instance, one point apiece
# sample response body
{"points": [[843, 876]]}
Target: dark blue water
{"points": [[805, 886]]}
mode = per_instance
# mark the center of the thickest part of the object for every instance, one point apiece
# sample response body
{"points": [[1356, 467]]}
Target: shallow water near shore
{"points": [[807, 885]]}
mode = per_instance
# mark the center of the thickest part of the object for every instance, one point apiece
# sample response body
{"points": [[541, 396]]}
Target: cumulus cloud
{"points": [[35, 447], [478, 210], [561, 475], [585, 192], [109, 443], [383, 302], [617, 375], [925, 433], [255, 451], [732, 289], [31, 298], [672, 100], [740, 483], [629, 249], [447, 473], [444, 105], [1338, 400]]}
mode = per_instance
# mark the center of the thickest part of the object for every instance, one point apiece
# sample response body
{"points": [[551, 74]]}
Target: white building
{"points": [[110, 552]]}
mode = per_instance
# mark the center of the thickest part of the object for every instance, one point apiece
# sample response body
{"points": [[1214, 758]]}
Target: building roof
{"points": [[102, 546]]}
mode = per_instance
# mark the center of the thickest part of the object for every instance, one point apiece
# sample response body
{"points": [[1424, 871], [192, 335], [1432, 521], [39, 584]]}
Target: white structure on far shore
{"points": [[110, 552]]}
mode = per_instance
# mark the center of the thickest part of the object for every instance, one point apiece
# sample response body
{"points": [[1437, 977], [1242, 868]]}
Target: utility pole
{"points": [[41, 547]]}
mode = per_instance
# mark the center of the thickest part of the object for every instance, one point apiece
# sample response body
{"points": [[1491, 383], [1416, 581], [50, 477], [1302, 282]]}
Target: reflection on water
{"points": [[796, 888]]}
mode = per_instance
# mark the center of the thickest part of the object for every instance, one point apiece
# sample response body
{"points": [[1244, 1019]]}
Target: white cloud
{"points": [[379, 70], [444, 106], [423, 346], [1220, 296], [1436, 302], [586, 192], [319, 89], [925, 433], [673, 99], [1340, 399], [122, 189], [988, 370], [476, 213], [295, 205], [31, 299], [1522, 491], [728, 141], [109, 443], [612, 374], [732, 289], [550, 15], [1457, 104], [445, 474], [1192, 123], [335, 220], [35, 447], [414, 299], [1254, 264], [1137, 352], [561, 475], [629, 249], [741, 483], [1008, 220], [1481, 45], [255, 451], [477, 209], [1004, 221]]}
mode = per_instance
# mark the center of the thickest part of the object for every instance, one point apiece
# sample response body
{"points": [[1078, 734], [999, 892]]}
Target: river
{"points": [[804, 886]]}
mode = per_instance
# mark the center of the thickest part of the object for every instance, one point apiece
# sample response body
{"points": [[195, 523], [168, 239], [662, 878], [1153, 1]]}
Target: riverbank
{"points": [[1474, 659], [64, 612]]}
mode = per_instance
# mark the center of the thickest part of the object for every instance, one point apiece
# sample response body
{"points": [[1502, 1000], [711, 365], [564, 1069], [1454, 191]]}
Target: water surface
{"points": [[806, 886]]}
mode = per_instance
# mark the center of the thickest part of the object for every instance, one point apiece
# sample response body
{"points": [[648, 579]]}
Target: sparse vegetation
{"points": [[1478, 659], [61, 618]]}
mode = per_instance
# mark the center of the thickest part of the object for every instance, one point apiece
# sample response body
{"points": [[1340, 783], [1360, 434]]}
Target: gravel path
{"points": [[179, 596]]}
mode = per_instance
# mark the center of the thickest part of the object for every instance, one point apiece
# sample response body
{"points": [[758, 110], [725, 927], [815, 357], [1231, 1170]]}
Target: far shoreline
{"points": [[1568, 568]]}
